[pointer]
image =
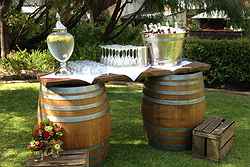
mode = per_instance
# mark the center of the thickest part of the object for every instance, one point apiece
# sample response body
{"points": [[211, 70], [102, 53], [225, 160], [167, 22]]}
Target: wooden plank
{"points": [[150, 72], [227, 134], [65, 160], [193, 67], [226, 148], [74, 152], [199, 147], [213, 125], [213, 149], [204, 124], [223, 126], [213, 134]]}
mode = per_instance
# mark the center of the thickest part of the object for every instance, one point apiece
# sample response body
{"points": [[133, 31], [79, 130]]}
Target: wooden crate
{"points": [[213, 139], [69, 158]]}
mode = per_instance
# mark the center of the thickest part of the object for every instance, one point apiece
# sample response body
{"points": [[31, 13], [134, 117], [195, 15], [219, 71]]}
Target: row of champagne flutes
{"points": [[119, 55]]}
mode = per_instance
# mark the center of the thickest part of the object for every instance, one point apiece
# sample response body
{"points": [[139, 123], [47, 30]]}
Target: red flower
{"points": [[46, 135], [51, 133]]}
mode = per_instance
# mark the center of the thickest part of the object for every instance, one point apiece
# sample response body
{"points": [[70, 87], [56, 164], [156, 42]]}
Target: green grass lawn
{"points": [[18, 103]]}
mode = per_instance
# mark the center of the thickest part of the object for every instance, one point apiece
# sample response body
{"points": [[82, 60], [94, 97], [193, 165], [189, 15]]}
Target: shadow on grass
{"points": [[129, 148], [129, 145], [19, 101], [18, 109]]}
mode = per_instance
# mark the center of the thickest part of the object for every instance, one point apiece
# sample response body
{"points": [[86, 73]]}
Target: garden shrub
{"points": [[130, 36], [229, 60], [37, 60], [87, 40]]}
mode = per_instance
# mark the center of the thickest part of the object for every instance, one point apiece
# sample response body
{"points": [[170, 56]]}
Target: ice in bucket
{"points": [[165, 43]]}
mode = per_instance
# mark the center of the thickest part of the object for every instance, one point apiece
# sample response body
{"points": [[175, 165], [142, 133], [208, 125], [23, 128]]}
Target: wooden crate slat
{"points": [[199, 147], [227, 134], [213, 125], [67, 159], [74, 152], [44, 163], [212, 149], [203, 124], [226, 148], [223, 126]]}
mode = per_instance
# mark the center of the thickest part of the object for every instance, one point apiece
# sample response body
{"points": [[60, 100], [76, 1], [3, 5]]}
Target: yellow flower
{"points": [[57, 146], [32, 143]]}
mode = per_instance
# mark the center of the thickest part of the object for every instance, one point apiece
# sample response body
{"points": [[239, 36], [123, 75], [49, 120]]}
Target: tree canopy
{"points": [[28, 31]]}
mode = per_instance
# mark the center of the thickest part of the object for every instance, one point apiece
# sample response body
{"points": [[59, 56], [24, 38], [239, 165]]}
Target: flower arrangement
{"points": [[47, 140]]}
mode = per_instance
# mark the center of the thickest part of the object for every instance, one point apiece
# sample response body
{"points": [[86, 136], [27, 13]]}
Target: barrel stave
{"points": [[171, 107], [83, 113]]}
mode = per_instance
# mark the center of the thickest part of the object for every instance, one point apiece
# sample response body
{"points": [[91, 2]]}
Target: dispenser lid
{"points": [[59, 25]]}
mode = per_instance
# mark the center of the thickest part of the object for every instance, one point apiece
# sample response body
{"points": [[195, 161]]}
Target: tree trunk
{"points": [[20, 5], [112, 22], [3, 52], [3, 29], [3, 40]]}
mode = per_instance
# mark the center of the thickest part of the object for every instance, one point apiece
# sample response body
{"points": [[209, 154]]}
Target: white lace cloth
{"points": [[89, 70]]}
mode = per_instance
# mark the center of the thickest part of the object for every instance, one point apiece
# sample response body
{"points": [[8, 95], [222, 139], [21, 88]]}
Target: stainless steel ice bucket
{"points": [[166, 48]]}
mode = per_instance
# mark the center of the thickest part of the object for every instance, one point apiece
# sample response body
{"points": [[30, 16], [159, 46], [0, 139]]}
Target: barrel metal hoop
{"points": [[174, 102], [183, 83], [70, 90], [174, 147], [72, 108], [76, 97], [77, 118], [147, 124], [172, 138], [173, 92], [182, 77]]}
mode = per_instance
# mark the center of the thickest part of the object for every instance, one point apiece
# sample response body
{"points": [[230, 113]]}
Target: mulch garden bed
{"points": [[23, 76]]}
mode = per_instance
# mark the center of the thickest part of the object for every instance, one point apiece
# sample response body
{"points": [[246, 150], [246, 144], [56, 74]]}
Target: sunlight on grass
{"points": [[129, 148]]}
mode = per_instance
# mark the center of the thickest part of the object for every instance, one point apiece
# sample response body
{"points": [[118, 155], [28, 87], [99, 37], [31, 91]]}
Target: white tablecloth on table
{"points": [[89, 70]]}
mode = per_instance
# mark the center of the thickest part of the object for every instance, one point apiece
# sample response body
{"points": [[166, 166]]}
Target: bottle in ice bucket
{"points": [[61, 45]]}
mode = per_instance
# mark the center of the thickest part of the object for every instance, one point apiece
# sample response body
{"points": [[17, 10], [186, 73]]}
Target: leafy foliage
{"points": [[229, 59], [87, 47], [87, 40], [23, 60]]}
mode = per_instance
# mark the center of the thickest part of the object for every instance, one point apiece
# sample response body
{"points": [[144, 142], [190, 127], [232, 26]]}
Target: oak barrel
{"points": [[82, 110], [172, 106]]}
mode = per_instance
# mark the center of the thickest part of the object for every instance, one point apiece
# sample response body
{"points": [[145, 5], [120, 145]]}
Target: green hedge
{"points": [[229, 60]]}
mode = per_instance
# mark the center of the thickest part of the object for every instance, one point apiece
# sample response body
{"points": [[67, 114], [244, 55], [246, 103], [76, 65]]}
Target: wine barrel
{"points": [[172, 106], [82, 110]]}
